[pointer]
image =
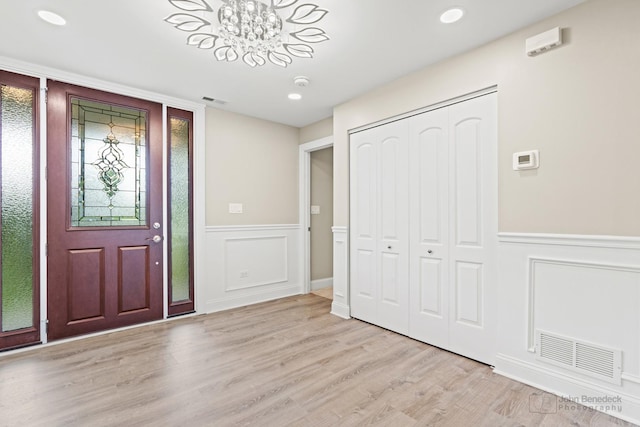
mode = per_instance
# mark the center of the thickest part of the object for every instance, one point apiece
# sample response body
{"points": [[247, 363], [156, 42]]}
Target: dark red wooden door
{"points": [[104, 182]]}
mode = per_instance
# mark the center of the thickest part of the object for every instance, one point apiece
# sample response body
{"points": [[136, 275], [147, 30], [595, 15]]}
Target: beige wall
{"points": [[577, 104], [253, 162], [322, 195], [316, 130]]}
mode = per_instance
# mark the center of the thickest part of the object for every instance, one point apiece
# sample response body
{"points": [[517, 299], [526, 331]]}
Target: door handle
{"points": [[156, 239]]}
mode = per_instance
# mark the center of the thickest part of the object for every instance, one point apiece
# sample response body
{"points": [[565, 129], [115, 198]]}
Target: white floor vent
{"points": [[590, 359]]}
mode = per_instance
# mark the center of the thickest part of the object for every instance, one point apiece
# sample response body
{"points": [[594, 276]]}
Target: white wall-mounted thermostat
{"points": [[526, 160]]}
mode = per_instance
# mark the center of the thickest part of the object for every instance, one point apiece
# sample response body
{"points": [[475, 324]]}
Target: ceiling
{"points": [[371, 42]]}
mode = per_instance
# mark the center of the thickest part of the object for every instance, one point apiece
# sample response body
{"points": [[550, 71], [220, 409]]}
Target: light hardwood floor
{"points": [[324, 292], [282, 363]]}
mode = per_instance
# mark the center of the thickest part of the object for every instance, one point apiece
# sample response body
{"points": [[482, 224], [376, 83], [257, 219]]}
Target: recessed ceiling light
{"points": [[295, 96], [51, 18], [452, 15]]}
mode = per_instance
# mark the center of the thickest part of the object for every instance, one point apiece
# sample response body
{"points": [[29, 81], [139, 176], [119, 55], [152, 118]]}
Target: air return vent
{"points": [[589, 359]]}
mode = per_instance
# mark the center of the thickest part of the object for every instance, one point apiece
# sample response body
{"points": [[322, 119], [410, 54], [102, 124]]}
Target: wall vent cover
{"points": [[587, 358]]}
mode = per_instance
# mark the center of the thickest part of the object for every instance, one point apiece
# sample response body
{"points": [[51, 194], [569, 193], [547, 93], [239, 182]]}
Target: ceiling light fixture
{"points": [[250, 29], [51, 18], [452, 15], [295, 96]]}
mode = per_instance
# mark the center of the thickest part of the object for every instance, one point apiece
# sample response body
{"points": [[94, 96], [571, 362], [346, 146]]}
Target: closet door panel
{"points": [[393, 308], [363, 277], [473, 176], [429, 236]]}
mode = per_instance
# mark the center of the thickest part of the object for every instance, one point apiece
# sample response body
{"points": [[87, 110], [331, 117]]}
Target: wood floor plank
{"points": [[281, 363]]}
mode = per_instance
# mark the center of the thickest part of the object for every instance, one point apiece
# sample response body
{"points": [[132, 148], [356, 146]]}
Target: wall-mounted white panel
{"points": [[468, 181], [340, 304], [583, 289], [603, 300], [250, 264], [469, 293], [430, 291], [255, 261]]}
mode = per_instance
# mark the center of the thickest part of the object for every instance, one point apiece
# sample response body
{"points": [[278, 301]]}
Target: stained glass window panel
{"points": [[180, 229], [17, 115], [108, 169]]}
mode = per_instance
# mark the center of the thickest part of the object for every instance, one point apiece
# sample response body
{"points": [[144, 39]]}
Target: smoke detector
{"points": [[301, 81]]}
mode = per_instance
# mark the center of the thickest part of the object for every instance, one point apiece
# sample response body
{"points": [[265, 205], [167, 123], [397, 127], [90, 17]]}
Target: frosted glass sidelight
{"points": [[17, 139], [108, 165], [179, 176]]}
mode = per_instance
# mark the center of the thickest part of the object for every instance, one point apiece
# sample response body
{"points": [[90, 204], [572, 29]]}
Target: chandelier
{"points": [[251, 29]]}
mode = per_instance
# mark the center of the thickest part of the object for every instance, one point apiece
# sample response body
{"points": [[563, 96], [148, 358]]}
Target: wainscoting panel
{"points": [[251, 264], [340, 305], [585, 292]]}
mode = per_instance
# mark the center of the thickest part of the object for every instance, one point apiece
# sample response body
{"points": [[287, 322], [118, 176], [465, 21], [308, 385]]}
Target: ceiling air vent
{"points": [[596, 361]]}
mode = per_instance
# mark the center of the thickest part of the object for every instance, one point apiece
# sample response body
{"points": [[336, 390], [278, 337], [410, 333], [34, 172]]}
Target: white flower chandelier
{"points": [[250, 29]]}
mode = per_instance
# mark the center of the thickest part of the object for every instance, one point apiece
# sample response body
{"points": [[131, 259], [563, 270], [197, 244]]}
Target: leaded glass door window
{"points": [[108, 169], [19, 239]]}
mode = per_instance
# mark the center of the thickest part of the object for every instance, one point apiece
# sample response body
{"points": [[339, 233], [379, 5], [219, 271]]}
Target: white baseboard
{"points": [[321, 283], [340, 310], [227, 303], [569, 389]]}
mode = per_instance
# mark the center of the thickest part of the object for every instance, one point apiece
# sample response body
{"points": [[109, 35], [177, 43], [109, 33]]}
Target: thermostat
{"points": [[526, 160]]}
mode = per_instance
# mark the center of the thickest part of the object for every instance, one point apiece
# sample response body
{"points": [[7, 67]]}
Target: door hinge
{"points": [[45, 92], [46, 249], [309, 229]]}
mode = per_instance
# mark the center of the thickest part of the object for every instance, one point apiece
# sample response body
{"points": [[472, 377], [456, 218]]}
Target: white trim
{"points": [[304, 200], [165, 216], [552, 381], [340, 305], [259, 296], [263, 227], [599, 241], [321, 283], [43, 210], [199, 208], [448, 102]]}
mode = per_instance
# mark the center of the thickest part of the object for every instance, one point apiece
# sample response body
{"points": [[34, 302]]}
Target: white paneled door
{"points": [[379, 209], [429, 241], [424, 226]]}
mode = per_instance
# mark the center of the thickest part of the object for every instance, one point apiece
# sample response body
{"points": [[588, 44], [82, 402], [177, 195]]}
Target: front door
{"points": [[105, 229]]}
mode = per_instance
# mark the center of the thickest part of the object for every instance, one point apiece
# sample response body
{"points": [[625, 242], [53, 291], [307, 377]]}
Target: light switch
{"points": [[315, 210], [235, 208]]}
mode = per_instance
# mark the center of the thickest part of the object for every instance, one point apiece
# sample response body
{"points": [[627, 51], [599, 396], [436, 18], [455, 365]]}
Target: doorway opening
{"points": [[316, 213]]}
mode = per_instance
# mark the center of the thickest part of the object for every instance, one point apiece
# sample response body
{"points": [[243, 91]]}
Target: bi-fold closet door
{"points": [[443, 275]]}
